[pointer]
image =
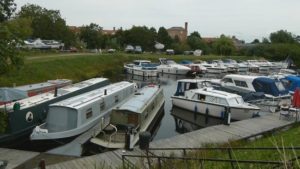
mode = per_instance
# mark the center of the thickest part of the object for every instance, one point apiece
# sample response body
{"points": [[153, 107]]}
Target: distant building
{"points": [[75, 29], [238, 43], [180, 32], [209, 40], [109, 32]]}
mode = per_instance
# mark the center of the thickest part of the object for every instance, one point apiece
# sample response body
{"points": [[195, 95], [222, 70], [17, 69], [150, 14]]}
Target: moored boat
{"points": [[22, 116], [73, 116], [170, 67], [142, 68], [131, 118], [215, 103]]}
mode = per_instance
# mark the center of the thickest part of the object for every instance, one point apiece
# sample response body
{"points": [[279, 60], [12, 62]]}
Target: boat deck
{"points": [[215, 134]]}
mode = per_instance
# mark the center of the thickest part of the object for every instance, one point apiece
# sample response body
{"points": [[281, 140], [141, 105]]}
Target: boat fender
{"points": [[39, 130]]}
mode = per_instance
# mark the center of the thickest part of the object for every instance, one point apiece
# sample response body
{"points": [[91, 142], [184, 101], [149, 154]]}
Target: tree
{"points": [[224, 46], [282, 36], [9, 55], [92, 36], [140, 35], [163, 37], [47, 24], [255, 41], [195, 41], [7, 8]]}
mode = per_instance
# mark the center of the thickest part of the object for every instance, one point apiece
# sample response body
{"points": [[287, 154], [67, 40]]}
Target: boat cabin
{"points": [[245, 84], [210, 95], [138, 109], [80, 110], [189, 84]]}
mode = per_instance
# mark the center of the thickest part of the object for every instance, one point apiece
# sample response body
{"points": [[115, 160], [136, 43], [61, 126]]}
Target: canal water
{"points": [[175, 121]]}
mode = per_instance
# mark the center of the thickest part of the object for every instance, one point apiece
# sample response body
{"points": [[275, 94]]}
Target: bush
{"points": [[3, 121]]}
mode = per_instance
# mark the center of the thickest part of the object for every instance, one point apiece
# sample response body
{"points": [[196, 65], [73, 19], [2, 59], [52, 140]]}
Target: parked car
{"points": [[138, 49], [129, 49], [170, 52], [111, 50]]}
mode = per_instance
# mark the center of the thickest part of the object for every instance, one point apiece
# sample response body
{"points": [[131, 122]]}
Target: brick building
{"points": [[179, 31]]}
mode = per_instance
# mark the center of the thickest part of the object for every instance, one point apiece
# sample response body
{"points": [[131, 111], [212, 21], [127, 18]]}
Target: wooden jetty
{"points": [[15, 158], [215, 134]]}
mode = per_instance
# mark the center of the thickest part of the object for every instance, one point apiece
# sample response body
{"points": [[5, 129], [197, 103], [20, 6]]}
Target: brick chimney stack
{"points": [[186, 26]]}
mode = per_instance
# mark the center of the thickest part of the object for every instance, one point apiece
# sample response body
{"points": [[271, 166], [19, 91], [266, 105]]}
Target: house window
{"points": [[240, 83], [89, 113]]}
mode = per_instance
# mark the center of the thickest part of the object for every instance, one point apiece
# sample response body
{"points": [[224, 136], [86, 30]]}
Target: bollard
{"points": [[55, 91], [129, 138], [144, 140], [42, 164], [227, 116]]}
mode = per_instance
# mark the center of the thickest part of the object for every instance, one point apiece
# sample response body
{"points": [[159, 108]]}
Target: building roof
{"points": [[177, 28]]}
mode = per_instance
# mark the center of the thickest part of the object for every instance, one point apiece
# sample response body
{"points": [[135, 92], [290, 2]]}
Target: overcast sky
{"points": [[246, 19]]}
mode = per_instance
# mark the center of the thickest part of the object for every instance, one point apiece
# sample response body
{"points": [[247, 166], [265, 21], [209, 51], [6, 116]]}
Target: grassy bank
{"points": [[287, 138], [81, 66]]}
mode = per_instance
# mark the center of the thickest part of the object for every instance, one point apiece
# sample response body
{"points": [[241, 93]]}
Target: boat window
{"points": [[227, 80], [280, 86], [89, 113], [211, 99], [102, 106], [201, 97], [236, 101], [223, 101], [193, 86], [240, 83], [116, 99]]}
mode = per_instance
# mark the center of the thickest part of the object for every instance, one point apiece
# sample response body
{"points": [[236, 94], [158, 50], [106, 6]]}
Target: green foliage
{"points": [[15, 24], [140, 35], [92, 36], [163, 37], [7, 8], [47, 24], [179, 48], [9, 55], [224, 46], [3, 121], [195, 42], [282, 36]]}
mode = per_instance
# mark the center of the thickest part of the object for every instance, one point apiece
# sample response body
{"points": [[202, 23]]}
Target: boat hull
{"points": [[214, 110], [141, 72]]}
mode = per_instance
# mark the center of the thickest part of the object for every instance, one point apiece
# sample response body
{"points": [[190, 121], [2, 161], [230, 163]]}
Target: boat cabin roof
{"points": [[241, 77], [215, 93], [77, 86], [49, 83], [81, 100], [139, 61], [37, 99], [140, 99]]}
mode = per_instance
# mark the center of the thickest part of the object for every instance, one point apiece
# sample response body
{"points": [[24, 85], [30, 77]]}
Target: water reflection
{"points": [[187, 121]]}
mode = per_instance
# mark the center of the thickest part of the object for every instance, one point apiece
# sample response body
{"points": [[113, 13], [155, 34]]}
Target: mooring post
{"points": [[42, 164]]}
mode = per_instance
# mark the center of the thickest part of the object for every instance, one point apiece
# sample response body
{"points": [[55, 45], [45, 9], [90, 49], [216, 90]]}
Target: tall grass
{"points": [[78, 67]]}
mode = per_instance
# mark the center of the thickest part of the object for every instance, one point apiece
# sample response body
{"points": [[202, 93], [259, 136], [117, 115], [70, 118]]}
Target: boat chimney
{"points": [[55, 91], [105, 92]]}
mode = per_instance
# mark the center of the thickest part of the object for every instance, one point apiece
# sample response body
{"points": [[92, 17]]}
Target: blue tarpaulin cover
{"points": [[293, 82], [269, 86]]}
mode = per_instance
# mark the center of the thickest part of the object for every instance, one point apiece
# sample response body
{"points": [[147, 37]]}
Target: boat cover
{"points": [[269, 86], [292, 82], [253, 96], [185, 62]]}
